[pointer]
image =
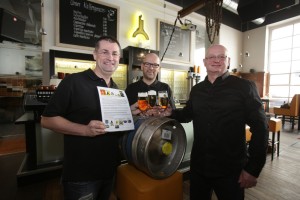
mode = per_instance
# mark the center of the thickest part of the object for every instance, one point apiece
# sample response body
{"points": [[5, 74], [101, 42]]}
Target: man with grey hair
{"points": [[220, 107]]}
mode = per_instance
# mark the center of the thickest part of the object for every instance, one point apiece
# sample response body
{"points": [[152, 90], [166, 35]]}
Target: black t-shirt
{"points": [[140, 86], [85, 158]]}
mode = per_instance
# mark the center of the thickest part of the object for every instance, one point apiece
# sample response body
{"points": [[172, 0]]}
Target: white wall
{"points": [[152, 10], [254, 42], [232, 40], [13, 59]]}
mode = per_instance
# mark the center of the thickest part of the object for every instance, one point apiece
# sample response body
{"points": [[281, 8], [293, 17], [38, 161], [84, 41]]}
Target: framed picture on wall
{"points": [[178, 49]]}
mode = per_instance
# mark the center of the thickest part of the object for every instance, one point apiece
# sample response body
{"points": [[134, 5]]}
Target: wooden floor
{"points": [[279, 180], [12, 144]]}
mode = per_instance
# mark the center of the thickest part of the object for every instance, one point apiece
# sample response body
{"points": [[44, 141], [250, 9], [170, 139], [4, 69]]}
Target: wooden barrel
{"points": [[156, 146]]}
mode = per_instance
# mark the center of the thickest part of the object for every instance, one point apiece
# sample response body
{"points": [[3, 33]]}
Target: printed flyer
{"points": [[115, 109]]}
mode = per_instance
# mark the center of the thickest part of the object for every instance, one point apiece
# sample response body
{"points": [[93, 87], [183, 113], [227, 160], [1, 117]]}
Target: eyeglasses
{"points": [[107, 54], [148, 65], [219, 57]]}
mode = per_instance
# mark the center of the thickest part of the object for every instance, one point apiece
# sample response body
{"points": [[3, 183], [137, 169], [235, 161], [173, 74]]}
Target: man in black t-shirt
{"points": [[150, 68], [91, 156]]}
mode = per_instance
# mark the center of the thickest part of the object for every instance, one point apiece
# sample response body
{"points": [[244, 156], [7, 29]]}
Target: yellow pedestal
{"points": [[133, 184]]}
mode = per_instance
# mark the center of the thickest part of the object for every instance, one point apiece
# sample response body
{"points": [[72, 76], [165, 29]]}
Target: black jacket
{"points": [[220, 112]]}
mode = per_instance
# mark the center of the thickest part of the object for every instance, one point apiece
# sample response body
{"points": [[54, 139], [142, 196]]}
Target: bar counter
{"points": [[44, 148]]}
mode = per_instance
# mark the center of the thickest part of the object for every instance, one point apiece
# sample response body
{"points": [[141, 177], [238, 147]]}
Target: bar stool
{"points": [[132, 183], [275, 127]]}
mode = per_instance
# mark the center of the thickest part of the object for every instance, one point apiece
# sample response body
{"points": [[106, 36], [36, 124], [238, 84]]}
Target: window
{"points": [[284, 62]]}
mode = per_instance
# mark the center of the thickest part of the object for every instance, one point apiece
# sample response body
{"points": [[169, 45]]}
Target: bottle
{"points": [[190, 74]]}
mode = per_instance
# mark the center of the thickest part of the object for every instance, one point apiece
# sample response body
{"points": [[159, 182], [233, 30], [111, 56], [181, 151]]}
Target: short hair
{"points": [[108, 38]]}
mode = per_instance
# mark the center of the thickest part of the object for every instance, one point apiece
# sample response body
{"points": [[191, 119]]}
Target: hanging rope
{"points": [[213, 18], [174, 27]]}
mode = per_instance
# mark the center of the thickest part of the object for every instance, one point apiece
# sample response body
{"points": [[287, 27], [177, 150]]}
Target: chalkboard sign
{"points": [[180, 45], [82, 22]]}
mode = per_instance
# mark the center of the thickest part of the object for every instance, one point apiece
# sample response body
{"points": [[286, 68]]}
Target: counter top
{"points": [[31, 102], [26, 117]]}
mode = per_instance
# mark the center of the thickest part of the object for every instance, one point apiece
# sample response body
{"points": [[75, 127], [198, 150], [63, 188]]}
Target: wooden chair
{"points": [[275, 127], [292, 112]]}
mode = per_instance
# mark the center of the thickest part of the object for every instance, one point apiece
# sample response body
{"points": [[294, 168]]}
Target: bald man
{"points": [[220, 106], [150, 68]]}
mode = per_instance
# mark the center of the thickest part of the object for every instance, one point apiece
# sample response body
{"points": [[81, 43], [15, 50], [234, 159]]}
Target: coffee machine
{"points": [[193, 77]]}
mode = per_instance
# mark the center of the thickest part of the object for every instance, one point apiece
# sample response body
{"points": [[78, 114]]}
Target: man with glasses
{"points": [[91, 155], [220, 107], [150, 68]]}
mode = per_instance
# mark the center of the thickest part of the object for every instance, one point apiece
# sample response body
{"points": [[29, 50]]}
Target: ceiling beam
{"points": [[192, 8]]}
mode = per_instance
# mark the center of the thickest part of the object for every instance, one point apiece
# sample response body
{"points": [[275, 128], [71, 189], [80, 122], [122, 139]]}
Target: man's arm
{"points": [[257, 120], [62, 125]]}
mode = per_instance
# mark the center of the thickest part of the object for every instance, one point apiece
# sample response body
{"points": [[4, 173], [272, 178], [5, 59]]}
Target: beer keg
{"points": [[156, 146]]}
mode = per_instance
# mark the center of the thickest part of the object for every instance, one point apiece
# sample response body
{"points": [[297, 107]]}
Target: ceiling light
{"points": [[259, 20]]}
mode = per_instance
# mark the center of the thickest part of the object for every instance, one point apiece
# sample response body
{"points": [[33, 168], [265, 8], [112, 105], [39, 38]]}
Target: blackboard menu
{"points": [[179, 47], [82, 22]]}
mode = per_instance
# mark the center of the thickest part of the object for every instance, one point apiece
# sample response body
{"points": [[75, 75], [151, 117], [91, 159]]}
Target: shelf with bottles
{"points": [[69, 66], [177, 80], [72, 65]]}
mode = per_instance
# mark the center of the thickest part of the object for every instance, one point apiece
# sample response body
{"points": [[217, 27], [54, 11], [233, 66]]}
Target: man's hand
{"points": [[165, 112], [246, 180], [94, 128], [135, 109], [156, 111]]}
